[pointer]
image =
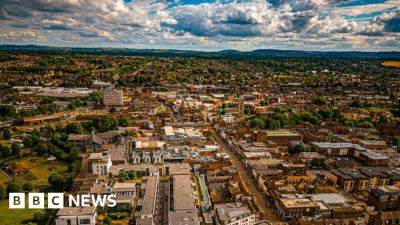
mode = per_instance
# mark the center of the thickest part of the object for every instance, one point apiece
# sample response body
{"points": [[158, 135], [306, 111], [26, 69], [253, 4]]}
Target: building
{"points": [[76, 216], [183, 218], [333, 149], [149, 202], [385, 198], [380, 218], [290, 207], [123, 189], [93, 142], [371, 157], [99, 163], [233, 214], [373, 144], [182, 192], [279, 137], [361, 179], [293, 169], [184, 210], [113, 98]]}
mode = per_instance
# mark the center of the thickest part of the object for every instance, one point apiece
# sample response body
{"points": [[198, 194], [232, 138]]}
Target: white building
{"points": [[100, 163], [232, 214]]}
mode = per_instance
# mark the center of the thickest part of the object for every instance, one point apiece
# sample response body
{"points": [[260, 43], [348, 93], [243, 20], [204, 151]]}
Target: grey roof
{"points": [[329, 198], [183, 199], [149, 196], [184, 218]]}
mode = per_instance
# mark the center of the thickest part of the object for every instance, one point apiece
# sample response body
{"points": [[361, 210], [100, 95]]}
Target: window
{"points": [[84, 221], [68, 222]]}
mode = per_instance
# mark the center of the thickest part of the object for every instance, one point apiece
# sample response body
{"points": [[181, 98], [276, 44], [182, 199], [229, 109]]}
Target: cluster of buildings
{"points": [[189, 158]]}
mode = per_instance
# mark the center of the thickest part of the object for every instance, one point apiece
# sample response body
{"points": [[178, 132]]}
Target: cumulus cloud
{"points": [[239, 24]]}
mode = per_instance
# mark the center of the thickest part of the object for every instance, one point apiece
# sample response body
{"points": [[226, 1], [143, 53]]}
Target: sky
{"points": [[211, 25]]}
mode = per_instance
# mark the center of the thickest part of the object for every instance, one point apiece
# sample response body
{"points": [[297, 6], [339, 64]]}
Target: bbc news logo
{"points": [[56, 200]]}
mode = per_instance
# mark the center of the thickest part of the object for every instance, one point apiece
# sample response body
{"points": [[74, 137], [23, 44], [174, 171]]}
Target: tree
{"points": [[27, 141], [28, 187], [74, 128], [124, 121], [133, 174], [396, 140], [356, 104], [123, 176], [297, 149], [7, 133], [15, 149], [95, 96], [265, 101], [40, 149], [39, 216], [56, 180], [73, 154], [14, 187], [107, 220], [7, 111], [319, 101], [4, 151], [3, 192]]}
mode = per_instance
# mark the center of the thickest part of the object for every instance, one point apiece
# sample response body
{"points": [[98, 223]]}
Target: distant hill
{"points": [[260, 53]]}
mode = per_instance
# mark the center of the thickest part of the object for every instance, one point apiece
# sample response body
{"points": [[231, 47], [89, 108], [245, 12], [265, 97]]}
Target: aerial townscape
{"points": [[199, 112], [201, 140]]}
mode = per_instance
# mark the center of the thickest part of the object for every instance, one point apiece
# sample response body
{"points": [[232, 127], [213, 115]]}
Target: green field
{"points": [[40, 168], [3, 178], [15, 216]]}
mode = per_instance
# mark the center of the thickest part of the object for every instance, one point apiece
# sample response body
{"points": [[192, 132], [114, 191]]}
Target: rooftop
{"points": [[183, 198], [184, 218], [229, 211], [76, 211]]}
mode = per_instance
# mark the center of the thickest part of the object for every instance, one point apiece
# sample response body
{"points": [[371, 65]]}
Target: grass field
{"points": [[392, 64], [40, 168], [5, 143], [3, 178], [15, 216]]}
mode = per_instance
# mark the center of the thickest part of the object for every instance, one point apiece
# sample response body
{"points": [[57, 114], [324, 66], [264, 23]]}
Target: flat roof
{"points": [[149, 196], [298, 202], [145, 221], [169, 130], [333, 145], [178, 168], [229, 211], [330, 198], [76, 211], [183, 218], [373, 142], [120, 185], [281, 133], [183, 198]]}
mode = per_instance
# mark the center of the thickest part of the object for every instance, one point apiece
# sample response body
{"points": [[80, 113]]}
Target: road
{"points": [[83, 173], [249, 183]]}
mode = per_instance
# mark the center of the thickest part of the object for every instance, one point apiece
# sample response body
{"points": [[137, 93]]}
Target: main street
{"points": [[249, 183]]}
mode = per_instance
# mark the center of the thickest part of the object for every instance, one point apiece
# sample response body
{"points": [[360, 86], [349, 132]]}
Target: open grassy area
{"points": [[15, 216], [5, 143], [40, 168], [392, 64], [3, 178]]}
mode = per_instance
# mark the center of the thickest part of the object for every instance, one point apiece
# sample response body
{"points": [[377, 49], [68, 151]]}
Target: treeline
{"points": [[102, 124], [280, 118]]}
